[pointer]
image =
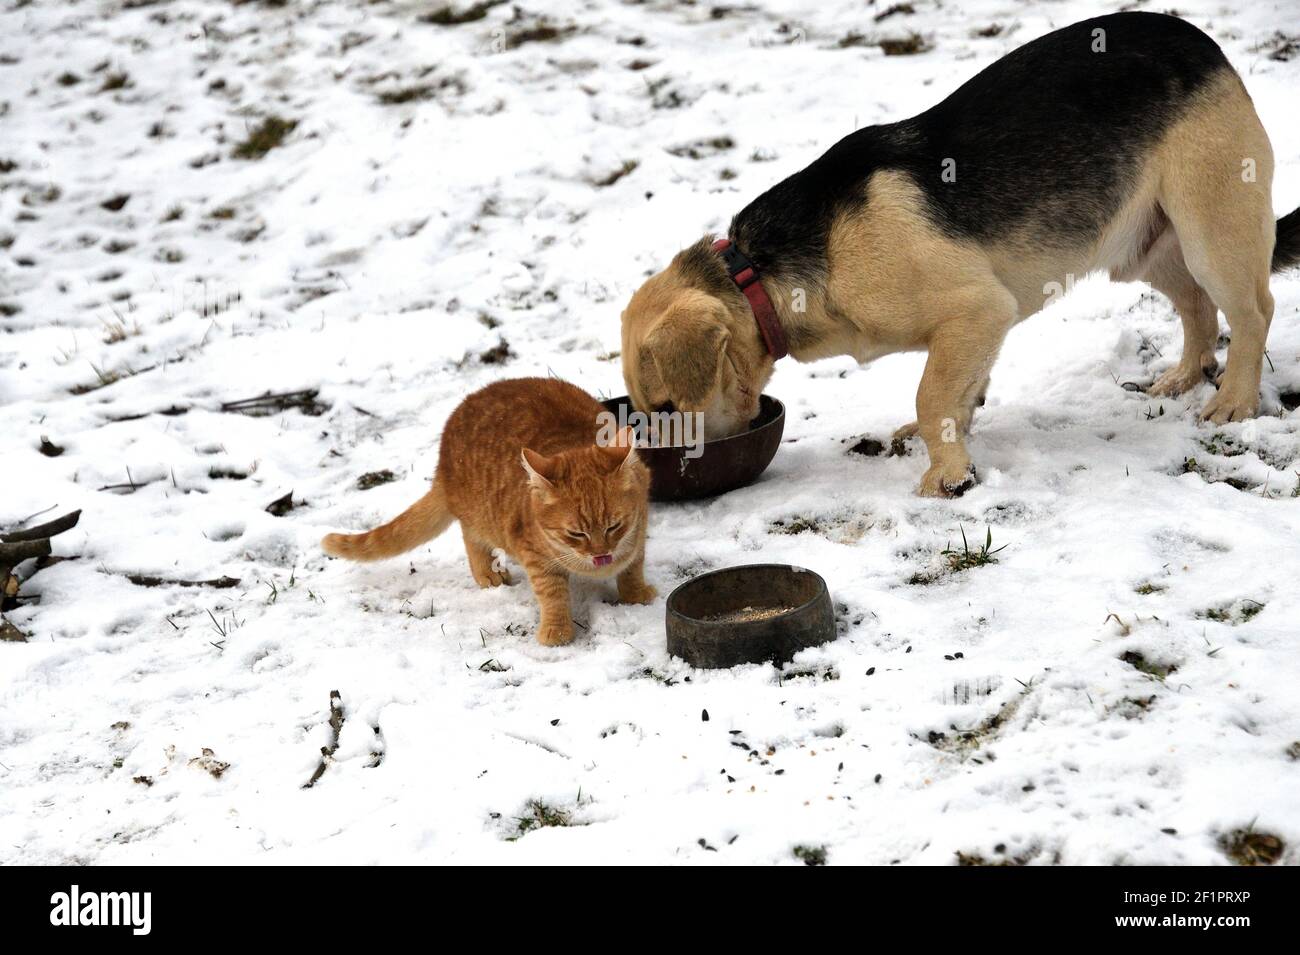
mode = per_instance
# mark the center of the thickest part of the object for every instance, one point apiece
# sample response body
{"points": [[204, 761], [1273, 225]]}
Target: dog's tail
{"points": [[1287, 251], [422, 521]]}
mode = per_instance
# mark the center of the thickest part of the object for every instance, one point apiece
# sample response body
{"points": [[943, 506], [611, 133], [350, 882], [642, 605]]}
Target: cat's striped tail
{"points": [[422, 521]]}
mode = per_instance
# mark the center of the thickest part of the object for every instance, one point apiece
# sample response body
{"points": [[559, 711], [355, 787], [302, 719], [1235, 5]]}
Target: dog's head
{"points": [[690, 344]]}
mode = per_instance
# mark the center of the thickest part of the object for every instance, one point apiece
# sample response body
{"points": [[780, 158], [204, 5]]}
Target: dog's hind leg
{"points": [[1216, 178], [1167, 273]]}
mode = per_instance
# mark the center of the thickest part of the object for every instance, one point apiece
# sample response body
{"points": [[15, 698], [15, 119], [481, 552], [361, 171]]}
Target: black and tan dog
{"points": [[1125, 143]]}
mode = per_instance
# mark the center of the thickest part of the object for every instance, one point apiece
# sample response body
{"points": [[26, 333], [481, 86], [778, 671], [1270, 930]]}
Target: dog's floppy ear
{"points": [[685, 347]]}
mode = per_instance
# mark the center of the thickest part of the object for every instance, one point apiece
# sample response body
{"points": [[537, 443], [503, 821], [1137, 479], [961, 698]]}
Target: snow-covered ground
{"points": [[1119, 687]]}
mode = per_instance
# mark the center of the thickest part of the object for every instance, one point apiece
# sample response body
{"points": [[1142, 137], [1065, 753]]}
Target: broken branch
{"points": [[326, 752], [13, 554], [48, 529], [145, 580]]}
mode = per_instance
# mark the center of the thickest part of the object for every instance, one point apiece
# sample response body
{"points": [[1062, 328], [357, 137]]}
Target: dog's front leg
{"points": [[962, 352]]}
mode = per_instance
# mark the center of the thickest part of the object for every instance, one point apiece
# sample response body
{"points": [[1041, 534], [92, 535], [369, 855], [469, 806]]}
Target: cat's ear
{"points": [[619, 452], [540, 468]]}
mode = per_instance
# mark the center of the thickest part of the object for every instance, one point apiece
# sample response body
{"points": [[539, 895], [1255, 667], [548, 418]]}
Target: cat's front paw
{"points": [[551, 634], [492, 577], [644, 594]]}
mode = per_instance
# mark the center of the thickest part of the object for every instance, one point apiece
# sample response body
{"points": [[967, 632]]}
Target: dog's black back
{"points": [[1046, 141]]}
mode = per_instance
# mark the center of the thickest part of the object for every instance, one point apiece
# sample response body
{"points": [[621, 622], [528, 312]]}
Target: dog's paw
{"points": [[1177, 380], [1225, 407], [947, 481]]}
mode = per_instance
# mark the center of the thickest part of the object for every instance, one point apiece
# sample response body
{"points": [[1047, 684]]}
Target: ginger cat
{"points": [[520, 469]]}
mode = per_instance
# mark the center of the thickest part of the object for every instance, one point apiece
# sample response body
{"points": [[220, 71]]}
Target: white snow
{"points": [[367, 256]]}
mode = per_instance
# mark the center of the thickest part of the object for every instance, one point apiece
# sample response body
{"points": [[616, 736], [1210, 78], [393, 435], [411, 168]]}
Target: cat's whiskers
{"points": [[568, 562]]}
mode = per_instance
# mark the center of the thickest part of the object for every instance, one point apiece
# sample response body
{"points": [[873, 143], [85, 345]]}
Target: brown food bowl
{"points": [[749, 614], [726, 464]]}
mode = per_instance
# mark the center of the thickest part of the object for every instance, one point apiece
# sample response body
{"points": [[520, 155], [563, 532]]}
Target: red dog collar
{"points": [[745, 276]]}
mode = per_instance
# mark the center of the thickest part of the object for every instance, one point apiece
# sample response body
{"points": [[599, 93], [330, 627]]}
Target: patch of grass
{"points": [[375, 478], [904, 8], [1223, 445], [265, 136], [703, 148], [965, 559], [208, 762], [42, 197], [1002, 859], [1144, 664], [106, 378], [448, 16], [267, 404], [796, 525], [498, 354], [1250, 847], [115, 81], [68, 79], [118, 330], [406, 94], [906, 46], [964, 742], [540, 33], [539, 815], [1233, 614], [1133, 707], [807, 673], [624, 169], [1280, 47], [1147, 588], [650, 673], [810, 855]]}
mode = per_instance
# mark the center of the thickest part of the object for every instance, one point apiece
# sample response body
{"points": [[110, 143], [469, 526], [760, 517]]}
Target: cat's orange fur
{"points": [[519, 468]]}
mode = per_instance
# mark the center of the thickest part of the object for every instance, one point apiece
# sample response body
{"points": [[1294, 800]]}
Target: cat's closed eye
{"points": [[575, 535]]}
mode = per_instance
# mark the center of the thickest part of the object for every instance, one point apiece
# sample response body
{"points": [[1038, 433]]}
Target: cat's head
{"points": [[590, 503]]}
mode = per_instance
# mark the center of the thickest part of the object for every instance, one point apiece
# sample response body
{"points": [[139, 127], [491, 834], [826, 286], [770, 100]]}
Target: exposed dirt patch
{"points": [[1155, 668], [269, 134], [1252, 847], [375, 478]]}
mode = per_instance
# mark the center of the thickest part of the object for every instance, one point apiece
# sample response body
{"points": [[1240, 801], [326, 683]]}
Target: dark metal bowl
{"points": [[726, 464], [703, 628]]}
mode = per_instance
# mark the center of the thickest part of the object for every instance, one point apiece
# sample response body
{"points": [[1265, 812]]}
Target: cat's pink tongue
{"points": [[600, 560]]}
